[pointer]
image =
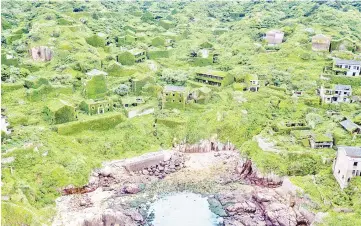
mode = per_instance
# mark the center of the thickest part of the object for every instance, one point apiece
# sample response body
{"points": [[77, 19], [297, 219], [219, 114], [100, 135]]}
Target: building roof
{"points": [[322, 137], [321, 38], [96, 72], [351, 151], [92, 101], [174, 88], [215, 73], [136, 51], [342, 87], [132, 99], [251, 77], [350, 62], [272, 32], [57, 104], [349, 125], [205, 90]]}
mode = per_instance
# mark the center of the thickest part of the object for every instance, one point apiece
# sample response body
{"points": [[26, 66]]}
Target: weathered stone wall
{"points": [[144, 161], [204, 146], [41, 53]]}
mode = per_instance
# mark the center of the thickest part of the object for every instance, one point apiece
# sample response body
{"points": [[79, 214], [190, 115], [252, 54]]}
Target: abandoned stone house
{"points": [[287, 126], [139, 55], [252, 83], [321, 141], [174, 97], [41, 53], [35, 82], [200, 95], [336, 94], [347, 164], [214, 78], [204, 56], [132, 56], [347, 67], [94, 107], [139, 82], [131, 101], [95, 87], [59, 111], [350, 126], [321, 42], [274, 37]]}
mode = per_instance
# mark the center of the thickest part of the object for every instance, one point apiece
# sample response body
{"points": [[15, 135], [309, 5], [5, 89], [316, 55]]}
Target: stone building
{"points": [[139, 82], [274, 37], [347, 164], [94, 107], [132, 56], [214, 78], [59, 111], [321, 42], [200, 95], [95, 87], [335, 94], [321, 141], [347, 67], [131, 101], [252, 83], [174, 97]]}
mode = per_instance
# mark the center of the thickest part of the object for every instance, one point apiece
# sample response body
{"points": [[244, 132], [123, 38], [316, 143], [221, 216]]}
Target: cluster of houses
{"points": [[98, 100]]}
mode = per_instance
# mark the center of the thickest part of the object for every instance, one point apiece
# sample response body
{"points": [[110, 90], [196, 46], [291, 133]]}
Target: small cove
{"points": [[181, 209]]}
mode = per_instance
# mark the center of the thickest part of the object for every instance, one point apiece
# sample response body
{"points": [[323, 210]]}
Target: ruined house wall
{"points": [[204, 146], [145, 161], [41, 53]]}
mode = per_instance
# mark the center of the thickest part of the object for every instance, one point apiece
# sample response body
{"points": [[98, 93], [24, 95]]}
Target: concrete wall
{"points": [[344, 169]]}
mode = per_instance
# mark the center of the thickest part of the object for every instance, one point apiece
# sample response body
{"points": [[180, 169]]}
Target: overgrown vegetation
{"points": [[91, 34]]}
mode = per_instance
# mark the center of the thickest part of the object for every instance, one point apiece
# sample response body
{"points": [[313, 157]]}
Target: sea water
{"points": [[182, 209]]}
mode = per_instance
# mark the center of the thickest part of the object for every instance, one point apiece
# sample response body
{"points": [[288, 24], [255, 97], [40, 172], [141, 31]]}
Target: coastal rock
{"points": [[131, 189]]}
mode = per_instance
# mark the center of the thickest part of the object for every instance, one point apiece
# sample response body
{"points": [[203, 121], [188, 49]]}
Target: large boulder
{"points": [[131, 189]]}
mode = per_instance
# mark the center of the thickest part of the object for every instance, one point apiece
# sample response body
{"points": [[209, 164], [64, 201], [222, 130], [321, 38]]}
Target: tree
{"points": [[122, 90], [177, 77], [313, 119]]}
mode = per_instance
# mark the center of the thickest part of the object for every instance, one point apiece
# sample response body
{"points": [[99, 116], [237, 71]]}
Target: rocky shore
{"points": [[121, 192]]}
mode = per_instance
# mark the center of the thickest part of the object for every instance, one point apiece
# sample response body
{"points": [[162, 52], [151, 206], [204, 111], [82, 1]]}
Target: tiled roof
{"points": [[351, 151], [350, 62]]}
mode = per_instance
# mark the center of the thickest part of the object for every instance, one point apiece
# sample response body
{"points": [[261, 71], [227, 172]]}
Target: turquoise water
{"points": [[182, 209]]}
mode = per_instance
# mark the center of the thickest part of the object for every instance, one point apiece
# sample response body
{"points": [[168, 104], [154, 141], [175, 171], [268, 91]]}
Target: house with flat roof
{"points": [[321, 42], [132, 56], [347, 164], [252, 83], [95, 87], [96, 107], [205, 55], [139, 55], [335, 94], [274, 37], [131, 101], [347, 67], [214, 78], [174, 96], [321, 141]]}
